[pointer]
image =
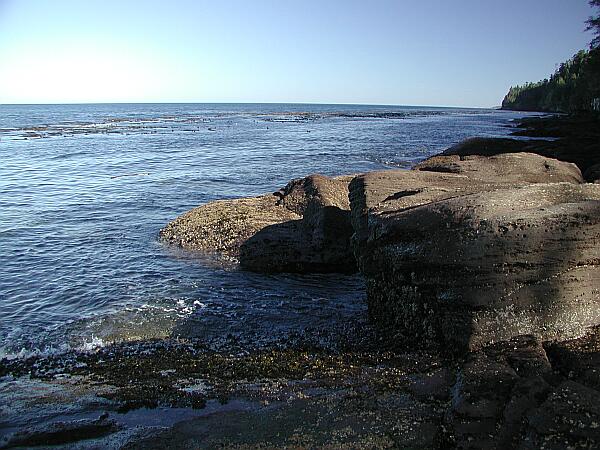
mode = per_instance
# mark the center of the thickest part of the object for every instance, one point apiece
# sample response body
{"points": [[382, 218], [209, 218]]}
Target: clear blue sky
{"points": [[410, 52]]}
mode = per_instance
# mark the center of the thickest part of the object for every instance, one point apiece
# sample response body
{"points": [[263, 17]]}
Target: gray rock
{"points": [[58, 433], [460, 260]]}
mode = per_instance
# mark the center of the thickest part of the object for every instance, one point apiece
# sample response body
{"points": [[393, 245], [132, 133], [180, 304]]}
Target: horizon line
{"points": [[248, 103]]}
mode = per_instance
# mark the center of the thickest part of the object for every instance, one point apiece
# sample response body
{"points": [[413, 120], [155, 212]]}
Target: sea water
{"points": [[84, 190]]}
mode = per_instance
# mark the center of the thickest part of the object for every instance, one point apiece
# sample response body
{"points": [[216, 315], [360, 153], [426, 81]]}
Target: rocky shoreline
{"points": [[490, 240], [483, 285], [491, 244]]}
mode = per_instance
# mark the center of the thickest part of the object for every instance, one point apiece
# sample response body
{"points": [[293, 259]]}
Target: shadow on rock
{"points": [[305, 227]]}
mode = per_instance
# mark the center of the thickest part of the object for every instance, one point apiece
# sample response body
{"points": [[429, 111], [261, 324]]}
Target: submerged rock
{"points": [[58, 433], [304, 227], [463, 259]]}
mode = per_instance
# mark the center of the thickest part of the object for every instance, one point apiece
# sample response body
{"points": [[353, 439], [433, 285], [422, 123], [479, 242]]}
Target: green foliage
{"points": [[594, 25], [574, 86]]}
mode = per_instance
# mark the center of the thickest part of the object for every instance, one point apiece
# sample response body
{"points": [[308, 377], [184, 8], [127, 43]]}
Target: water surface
{"points": [[84, 190]]}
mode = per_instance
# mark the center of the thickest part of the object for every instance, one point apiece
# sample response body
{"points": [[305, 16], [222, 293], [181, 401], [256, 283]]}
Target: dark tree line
{"points": [[575, 86], [594, 25]]}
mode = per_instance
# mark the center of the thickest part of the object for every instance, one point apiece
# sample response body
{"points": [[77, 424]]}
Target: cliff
{"points": [[574, 87]]}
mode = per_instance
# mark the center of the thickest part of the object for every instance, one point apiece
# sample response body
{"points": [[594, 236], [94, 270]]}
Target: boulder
{"points": [[463, 259], [442, 177], [222, 226], [304, 227]]}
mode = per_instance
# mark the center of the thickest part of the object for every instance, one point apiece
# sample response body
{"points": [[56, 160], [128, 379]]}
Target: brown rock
{"points": [[458, 261], [487, 146], [507, 168], [319, 242], [304, 227], [222, 226]]}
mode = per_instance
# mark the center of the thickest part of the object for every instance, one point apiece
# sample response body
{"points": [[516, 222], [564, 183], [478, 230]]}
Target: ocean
{"points": [[84, 190]]}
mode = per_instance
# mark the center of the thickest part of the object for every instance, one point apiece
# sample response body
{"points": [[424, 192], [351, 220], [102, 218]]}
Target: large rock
{"points": [[506, 168], [377, 194], [459, 260], [304, 227], [319, 242], [222, 226], [580, 145]]}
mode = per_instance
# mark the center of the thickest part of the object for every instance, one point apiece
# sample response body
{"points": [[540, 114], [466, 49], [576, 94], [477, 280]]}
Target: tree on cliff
{"points": [[575, 86], [594, 25]]}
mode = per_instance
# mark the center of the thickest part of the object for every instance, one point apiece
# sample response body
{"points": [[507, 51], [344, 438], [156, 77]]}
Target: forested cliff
{"points": [[575, 86]]}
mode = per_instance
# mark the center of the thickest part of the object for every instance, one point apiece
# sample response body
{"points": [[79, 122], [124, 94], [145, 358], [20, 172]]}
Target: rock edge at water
{"points": [[479, 244]]}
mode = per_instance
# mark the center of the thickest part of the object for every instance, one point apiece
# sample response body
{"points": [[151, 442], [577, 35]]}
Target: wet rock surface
{"points": [[513, 394], [57, 433], [305, 227]]}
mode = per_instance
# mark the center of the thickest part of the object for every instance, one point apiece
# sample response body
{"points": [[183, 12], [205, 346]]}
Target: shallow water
{"points": [[84, 190]]}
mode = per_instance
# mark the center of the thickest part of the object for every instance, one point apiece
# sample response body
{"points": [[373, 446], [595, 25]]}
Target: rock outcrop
{"points": [[222, 226], [513, 395], [304, 227], [573, 139], [517, 168], [319, 242], [472, 252]]}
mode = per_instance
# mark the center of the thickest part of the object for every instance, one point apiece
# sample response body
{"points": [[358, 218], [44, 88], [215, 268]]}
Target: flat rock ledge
{"points": [[465, 251], [304, 227]]}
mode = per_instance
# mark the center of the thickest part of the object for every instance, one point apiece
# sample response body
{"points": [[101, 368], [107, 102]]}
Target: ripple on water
{"points": [[82, 203]]}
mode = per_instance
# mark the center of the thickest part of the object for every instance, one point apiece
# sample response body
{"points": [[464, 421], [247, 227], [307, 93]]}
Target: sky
{"points": [[397, 52]]}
